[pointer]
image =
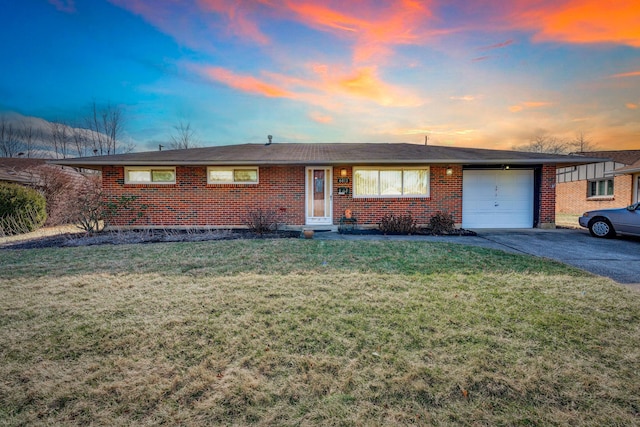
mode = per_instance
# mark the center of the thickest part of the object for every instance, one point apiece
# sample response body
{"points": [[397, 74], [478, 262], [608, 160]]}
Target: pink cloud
{"points": [[365, 83], [372, 26], [244, 83], [326, 86], [320, 118], [466, 98], [497, 46], [240, 17], [198, 24], [528, 105], [581, 21], [67, 6], [631, 106], [629, 74], [535, 104], [166, 16]]}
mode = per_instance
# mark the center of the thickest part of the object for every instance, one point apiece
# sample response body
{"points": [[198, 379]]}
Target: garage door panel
{"points": [[497, 199]]}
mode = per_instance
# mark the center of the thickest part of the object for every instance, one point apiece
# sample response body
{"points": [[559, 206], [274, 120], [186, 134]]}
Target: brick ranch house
{"points": [[311, 185], [613, 181]]}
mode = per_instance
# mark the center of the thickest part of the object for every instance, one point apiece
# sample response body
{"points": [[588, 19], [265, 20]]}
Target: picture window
{"points": [[391, 182]]}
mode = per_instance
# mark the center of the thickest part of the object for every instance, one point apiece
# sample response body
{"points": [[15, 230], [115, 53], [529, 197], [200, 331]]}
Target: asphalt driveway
{"points": [[618, 259]]}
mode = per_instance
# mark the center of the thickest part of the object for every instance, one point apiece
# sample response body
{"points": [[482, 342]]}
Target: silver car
{"points": [[610, 222]]}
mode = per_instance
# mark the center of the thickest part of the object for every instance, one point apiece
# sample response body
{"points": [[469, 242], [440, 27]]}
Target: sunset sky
{"points": [[486, 73]]}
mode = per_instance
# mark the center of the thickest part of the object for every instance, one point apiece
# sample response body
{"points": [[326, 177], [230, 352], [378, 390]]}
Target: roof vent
{"points": [[269, 137]]}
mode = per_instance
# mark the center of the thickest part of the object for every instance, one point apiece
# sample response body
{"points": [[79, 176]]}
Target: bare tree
{"points": [[29, 135], [544, 143], [581, 143], [80, 141], [112, 124], [184, 137], [60, 138], [105, 125], [97, 138], [10, 144]]}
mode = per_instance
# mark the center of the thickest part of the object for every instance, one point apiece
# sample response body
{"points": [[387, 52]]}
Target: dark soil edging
{"points": [[143, 237], [419, 232], [171, 235]]}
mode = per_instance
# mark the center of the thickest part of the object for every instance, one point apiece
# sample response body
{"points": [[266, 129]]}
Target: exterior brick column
{"points": [[548, 197]]}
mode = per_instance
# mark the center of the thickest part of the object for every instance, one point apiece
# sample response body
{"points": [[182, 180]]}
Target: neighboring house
{"points": [[21, 170], [311, 185], [58, 184], [613, 182], [33, 172]]}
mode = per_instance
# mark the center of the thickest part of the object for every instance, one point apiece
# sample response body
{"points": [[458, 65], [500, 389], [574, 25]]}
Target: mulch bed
{"points": [[170, 235], [143, 236], [419, 232]]}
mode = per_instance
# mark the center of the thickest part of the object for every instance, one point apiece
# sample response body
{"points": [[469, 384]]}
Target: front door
{"points": [[318, 197]]}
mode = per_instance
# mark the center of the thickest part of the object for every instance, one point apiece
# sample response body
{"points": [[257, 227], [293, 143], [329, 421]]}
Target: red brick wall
{"points": [[446, 196], [548, 196], [192, 202], [572, 196]]}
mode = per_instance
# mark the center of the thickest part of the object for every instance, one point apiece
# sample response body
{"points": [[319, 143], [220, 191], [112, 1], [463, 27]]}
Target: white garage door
{"points": [[497, 198]]}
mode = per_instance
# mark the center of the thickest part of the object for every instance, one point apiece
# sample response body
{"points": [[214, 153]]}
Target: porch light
{"points": [[449, 171], [343, 172]]}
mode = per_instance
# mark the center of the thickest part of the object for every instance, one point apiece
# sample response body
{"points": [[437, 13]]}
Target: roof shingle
{"points": [[316, 154], [627, 157]]}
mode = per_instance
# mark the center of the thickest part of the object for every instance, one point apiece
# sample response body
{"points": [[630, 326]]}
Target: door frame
{"points": [[328, 193]]}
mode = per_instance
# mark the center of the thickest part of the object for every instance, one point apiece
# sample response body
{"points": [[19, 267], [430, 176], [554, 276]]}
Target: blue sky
{"points": [[476, 74]]}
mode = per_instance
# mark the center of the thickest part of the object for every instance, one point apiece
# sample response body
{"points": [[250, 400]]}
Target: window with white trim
{"points": [[149, 175], [600, 187], [391, 182], [232, 175]]}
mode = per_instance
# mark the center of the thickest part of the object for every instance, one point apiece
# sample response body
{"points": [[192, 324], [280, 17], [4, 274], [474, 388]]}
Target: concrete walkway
{"points": [[618, 259]]}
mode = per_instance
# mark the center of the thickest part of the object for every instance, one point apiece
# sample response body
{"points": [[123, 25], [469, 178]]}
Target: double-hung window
{"points": [[391, 182], [232, 175], [600, 187], [149, 175]]}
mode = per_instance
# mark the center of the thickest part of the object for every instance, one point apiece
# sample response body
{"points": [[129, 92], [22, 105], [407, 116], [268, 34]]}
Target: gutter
{"points": [[623, 171]]}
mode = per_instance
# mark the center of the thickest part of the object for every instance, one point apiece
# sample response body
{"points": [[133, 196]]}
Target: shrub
{"points": [[441, 223], [22, 209], [401, 224], [60, 190], [93, 211], [88, 210], [261, 221]]}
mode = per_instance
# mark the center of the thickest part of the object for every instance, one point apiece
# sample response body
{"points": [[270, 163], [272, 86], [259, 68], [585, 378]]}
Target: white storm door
{"points": [[318, 196]]}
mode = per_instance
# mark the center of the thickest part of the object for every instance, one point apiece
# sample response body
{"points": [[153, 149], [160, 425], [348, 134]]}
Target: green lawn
{"points": [[309, 332]]}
